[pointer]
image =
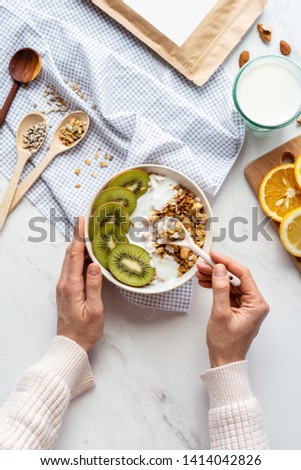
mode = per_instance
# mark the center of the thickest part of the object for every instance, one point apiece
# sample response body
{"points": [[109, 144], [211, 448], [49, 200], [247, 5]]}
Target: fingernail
{"points": [[220, 270], [200, 264], [76, 225], [93, 270]]}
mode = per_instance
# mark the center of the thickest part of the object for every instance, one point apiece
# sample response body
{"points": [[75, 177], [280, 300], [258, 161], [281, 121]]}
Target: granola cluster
{"points": [[187, 208]]}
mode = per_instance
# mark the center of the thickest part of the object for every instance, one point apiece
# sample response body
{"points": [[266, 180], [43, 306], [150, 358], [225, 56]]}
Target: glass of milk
{"points": [[267, 92]]}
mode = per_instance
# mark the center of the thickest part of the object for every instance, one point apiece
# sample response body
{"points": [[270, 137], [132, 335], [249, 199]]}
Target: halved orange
{"points": [[290, 232], [279, 192], [298, 171]]}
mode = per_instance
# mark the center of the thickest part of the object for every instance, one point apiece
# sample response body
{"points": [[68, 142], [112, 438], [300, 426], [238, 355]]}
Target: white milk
{"points": [[269, 94]]}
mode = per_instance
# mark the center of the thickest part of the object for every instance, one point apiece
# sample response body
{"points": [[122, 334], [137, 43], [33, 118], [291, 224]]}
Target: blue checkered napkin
{"points": [[145, 111]]}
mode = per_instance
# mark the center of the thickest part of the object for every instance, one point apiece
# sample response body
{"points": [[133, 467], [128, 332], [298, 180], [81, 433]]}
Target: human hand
{"points": [[237, 313], [80, 308]]}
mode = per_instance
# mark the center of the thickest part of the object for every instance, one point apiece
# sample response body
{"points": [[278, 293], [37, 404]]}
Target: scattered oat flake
{"points": [[111, 158], [76, 88], [103, 164], [106, 156], [99, 149], [96, 156], [93, 106], [88, 162], [77, 171], [35, 105], [77, 185], [55, 99], [94, 175]]}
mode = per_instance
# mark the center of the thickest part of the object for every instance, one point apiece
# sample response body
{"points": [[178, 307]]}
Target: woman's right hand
{"points": [[237, 313]]}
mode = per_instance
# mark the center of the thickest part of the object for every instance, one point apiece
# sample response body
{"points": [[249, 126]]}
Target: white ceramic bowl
{"points": [[186, 183]]}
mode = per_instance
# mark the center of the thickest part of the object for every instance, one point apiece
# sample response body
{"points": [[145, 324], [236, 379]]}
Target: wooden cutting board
{"points": [[256, 170]]}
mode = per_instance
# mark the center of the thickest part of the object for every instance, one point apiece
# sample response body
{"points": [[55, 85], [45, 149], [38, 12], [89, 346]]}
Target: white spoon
{"points": [[169, 223]]}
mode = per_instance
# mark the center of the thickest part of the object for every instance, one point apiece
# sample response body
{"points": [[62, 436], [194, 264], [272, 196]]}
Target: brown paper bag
{"points": [[209, 44]]}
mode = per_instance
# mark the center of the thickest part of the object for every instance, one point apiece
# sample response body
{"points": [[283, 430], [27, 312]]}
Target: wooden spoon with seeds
{"points": [[56, 147], [30, 120]]}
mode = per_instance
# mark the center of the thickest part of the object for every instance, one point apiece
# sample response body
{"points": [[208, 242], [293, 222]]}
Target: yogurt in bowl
{"points": [[141, 233], [168, 193]]}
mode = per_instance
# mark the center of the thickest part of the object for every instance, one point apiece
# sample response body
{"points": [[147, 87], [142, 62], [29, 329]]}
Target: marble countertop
{"points": [[149, 394]]}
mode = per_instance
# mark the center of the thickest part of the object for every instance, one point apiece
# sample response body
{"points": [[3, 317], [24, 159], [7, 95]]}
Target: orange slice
{"points": [[290, 232], [298, 171], [279, 192]]}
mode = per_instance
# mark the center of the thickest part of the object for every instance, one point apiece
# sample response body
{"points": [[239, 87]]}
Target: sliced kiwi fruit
{"points": [[109, 214], [130, 264], [122, 196], [135, 180], [105, 240]]}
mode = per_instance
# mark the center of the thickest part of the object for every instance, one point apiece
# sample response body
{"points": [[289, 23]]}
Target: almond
{"points": [[244, 58], [265, 32], [285, 48], [299, 120]]}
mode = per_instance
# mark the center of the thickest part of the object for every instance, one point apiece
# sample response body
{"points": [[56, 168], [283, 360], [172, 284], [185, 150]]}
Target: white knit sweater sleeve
{"points": [[235, 417], [32, 415]]}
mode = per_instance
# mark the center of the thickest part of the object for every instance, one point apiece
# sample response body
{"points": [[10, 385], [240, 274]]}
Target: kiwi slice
{"points": [[135, 180], [106, 239], [130, 264], [122, 196], [109, 214]]}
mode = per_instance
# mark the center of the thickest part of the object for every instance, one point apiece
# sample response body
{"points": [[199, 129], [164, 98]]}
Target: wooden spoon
{"points": [[56, 147], [25, 65], [23, 155]]}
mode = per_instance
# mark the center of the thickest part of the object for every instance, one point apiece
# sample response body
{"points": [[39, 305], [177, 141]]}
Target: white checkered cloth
{"points": [[145, 112]]}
